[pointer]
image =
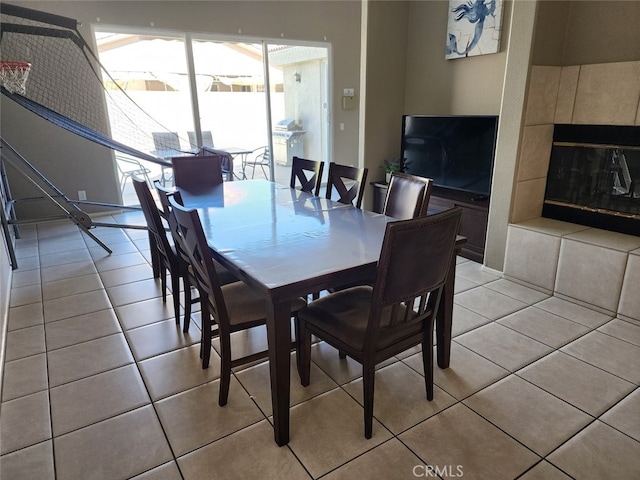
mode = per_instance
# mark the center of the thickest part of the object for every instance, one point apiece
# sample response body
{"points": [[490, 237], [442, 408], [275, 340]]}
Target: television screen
{"points": [[455, 151]]}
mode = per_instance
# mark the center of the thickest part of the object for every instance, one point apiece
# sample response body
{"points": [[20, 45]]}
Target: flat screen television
{"points": [[455, 151]]}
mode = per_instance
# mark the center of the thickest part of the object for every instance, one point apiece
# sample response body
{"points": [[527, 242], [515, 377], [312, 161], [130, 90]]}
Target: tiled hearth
{"points": [[594, 267]]}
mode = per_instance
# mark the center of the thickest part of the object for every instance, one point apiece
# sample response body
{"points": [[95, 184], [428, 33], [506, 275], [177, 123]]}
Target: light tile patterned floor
{"points": [[100, 383]]}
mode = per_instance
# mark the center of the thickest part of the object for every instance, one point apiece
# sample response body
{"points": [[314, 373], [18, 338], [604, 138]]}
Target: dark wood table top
{"points": [[283, 241]]}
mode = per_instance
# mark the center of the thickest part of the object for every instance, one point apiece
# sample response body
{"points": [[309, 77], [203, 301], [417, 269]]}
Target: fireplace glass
{"points": [[595, 184], [596, 178]]}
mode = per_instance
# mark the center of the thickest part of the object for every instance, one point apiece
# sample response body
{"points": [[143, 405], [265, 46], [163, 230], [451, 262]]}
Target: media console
{"points": [[475, 212]]}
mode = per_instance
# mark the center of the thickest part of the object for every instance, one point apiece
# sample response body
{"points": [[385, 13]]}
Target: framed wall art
{"points": [[473, 28]]}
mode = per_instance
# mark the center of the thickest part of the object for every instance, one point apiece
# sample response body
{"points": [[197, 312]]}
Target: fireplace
{"points": [[594, 177]]}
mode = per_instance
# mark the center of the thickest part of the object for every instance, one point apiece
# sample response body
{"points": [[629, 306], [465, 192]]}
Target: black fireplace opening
{"points": [[594, 177]]}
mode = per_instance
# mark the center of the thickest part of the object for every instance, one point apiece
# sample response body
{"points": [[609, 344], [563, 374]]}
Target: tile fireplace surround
{"points": [[584, 264]]}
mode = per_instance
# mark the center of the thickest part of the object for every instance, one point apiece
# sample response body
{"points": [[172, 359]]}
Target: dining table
{"points": [[285, 244]]}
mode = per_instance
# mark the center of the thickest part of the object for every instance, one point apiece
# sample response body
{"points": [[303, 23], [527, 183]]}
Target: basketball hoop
{"points": [[13, 75]]}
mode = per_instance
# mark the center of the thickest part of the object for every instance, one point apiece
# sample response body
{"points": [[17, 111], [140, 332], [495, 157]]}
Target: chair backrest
{"points": [[308, 173], [153, 218], [165, 194], [207, 139], [261, 155], [413, 265], [166, 141], [350, 191], [197, 172], [192, 240], [226, 157], [407, 196]]}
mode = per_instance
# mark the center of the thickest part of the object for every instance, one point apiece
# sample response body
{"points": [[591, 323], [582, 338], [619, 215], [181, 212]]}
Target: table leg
{"points": [[243, 163], [444, 317], [279, 339]]}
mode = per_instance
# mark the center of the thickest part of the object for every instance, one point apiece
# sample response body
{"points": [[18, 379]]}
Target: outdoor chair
{"points": [[260, 157], [348, 191], [308, 173], [129, 167], [167, 145], [373, 324], [207, 140], [233, 307], [407, 196]]}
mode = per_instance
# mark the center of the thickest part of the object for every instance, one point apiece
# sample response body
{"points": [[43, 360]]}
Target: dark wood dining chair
{"points": [[197, 172], [165, 254], [407, 196], [372, 324], [226, 160], [306, 173], [350, 191], [232, 308], [224, 275]]}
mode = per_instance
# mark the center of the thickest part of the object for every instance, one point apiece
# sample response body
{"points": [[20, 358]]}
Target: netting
{"points": [[66, 83]]}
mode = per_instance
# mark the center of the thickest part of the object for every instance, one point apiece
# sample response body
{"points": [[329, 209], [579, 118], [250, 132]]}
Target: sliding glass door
{"points": [[213, 92], [300, 114]]}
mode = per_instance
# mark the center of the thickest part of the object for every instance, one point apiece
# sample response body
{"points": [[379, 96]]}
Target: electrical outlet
{"points": [[82, 194]]}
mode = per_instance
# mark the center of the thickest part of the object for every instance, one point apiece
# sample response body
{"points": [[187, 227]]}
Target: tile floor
{"points": [[99, 383]]}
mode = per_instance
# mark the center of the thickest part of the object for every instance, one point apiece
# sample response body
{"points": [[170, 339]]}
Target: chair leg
{"points": [[187, 303], [342, 355], [427, 360], [175, 290], [368, 383], [163, 282], [303, 352], [225, 369], [155, 256], [205, 339]]}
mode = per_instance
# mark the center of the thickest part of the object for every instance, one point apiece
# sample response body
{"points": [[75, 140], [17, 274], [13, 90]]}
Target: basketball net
{"points": [[13, 76]]}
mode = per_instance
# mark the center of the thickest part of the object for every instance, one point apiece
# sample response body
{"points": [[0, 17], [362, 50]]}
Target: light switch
{"points": [[349, 92]]}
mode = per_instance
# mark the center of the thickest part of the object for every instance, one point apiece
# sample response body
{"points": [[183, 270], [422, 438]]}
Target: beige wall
{"points": [[70, 162], [587, 32], [602, 32], [383, 88], [461, 86]]}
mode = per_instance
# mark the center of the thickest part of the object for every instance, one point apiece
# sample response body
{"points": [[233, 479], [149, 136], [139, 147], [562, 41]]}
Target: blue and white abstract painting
{"points": [[473, 28]]}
